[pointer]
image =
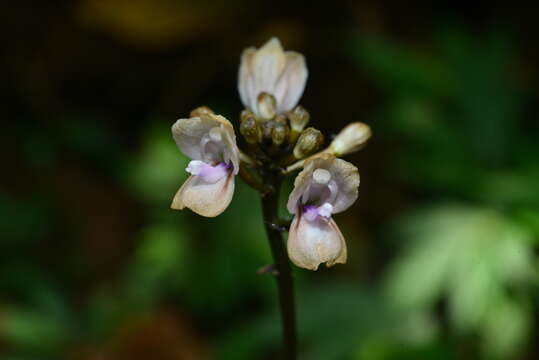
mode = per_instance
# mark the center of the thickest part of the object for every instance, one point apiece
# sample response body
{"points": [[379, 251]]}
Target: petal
{"points": [[311, 243], [347, 177], [301, 183], [204, 198], [291, 83], [267, 66], [232, 153], [188, 132], [246, 80]]}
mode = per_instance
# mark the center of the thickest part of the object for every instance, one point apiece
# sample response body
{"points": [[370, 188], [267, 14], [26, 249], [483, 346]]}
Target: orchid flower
{"points": [[209, 140], [271, 81], [327, 185]]}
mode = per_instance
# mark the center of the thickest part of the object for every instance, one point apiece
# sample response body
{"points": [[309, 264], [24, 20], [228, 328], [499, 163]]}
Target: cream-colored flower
{"points": [[210, 141], [326, 186], [272, 71]]}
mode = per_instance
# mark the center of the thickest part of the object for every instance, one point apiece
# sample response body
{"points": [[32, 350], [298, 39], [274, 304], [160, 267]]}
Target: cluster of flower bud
{"points": [[285, 134]]}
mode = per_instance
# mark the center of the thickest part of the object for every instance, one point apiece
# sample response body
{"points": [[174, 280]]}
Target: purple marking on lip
{"points": [[207, 172], [312, 212]]}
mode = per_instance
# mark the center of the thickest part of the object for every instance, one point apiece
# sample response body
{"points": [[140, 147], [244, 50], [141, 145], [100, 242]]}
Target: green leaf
{"points": [[472, 256], [506, 328]]}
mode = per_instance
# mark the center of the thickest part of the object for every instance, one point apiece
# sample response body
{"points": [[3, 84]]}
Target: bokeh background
{"points": [[443, 240]]}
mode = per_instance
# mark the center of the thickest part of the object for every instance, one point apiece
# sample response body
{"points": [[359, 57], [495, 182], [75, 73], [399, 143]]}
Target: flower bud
{"points": [[266, 128], [250, 130], [266, 105], [200, 111], [299, 118], [281, 119], [350, 139], [309, 142], [279, 133], [245, 114]]}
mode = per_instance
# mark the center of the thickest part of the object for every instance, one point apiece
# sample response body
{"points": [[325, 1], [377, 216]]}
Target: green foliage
{"points": [[35, 332], [159, 166], [460, 133], [401, 71], [457, 115], [40, 324], [335, 319], [480, 260], [160, 264]]}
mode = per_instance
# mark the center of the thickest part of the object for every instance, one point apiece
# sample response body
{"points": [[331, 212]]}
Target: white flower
{"points": [[272, 71], [210, 141], [326, 186]]}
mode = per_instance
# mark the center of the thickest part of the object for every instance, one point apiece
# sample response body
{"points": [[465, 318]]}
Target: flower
{"points": [[325, 186], [271, 71], [209, 140]]}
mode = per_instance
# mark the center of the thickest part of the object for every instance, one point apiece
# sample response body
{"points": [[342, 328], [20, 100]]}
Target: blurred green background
{"points": [[443, 241]]}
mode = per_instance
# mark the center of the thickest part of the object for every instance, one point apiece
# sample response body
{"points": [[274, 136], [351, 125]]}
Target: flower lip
{"points": [[315, 239]]}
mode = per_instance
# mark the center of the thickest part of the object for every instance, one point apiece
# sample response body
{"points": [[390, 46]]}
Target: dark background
{"points": [[442, 241]]}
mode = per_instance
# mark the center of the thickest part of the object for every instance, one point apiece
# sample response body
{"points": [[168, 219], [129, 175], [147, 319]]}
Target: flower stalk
{"points": [[283, 272]]}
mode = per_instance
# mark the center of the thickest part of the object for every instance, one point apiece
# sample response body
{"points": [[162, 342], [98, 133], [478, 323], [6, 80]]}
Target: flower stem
{"points": [[270, 205]]}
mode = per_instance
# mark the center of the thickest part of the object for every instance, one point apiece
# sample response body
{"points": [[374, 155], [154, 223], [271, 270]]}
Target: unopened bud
{"points": [[350, 139], [267, 128], [281, 119], [299, 118], [266, 105], [309, 142], [201, 110], [279, 133], [245, 114], [250, 130]]}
